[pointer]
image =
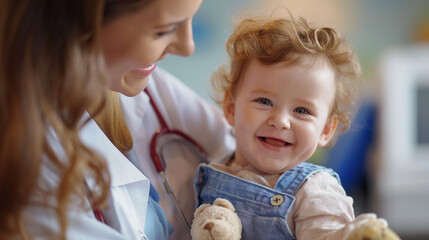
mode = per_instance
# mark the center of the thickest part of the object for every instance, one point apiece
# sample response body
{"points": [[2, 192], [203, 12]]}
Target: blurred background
{"points": [[383, 161]]}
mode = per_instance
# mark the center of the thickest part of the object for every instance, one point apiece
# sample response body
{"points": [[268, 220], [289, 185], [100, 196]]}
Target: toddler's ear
{"points": [[328, 131], [229, 107]]}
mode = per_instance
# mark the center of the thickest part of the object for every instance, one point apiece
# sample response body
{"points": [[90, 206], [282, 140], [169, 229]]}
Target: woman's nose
{"points": [[280, 121], [184, 43]]}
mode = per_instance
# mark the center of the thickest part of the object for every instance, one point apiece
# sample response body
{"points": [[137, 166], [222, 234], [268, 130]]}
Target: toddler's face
{"points": [[280, 113]]}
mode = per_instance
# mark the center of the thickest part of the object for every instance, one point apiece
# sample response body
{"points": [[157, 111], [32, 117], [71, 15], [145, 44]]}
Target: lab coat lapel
{"points": [[129, 189], [122, 171]]}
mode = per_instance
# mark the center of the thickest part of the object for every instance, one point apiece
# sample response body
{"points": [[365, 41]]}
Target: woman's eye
{"points": [[302, 110], [264, 101], [160, 34]]}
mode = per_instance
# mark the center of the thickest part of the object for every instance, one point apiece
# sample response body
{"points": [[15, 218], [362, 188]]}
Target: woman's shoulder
{"points": [[161, 77], [166, 88]]}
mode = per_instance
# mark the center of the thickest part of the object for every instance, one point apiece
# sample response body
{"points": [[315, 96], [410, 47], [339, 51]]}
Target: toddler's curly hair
{"points": [[272, 40]]}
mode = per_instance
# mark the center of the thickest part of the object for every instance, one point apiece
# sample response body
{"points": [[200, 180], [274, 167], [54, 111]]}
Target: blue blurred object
{"points": [[348, 156], [201, 32]]}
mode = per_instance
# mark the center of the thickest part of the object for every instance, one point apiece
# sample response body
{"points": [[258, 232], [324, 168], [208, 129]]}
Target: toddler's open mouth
{"points": [[275, 142]]}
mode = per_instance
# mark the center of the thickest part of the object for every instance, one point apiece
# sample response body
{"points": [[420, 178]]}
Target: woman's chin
{"points": [[131, 85]]}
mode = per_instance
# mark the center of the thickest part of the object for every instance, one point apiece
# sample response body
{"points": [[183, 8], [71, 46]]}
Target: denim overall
{"points": [[262, 210]]}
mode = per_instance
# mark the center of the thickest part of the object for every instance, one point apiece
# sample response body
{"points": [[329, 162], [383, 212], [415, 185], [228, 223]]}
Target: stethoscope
{"points": [[159, 162]]}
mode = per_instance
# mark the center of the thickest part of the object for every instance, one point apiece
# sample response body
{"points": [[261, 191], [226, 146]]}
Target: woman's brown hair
{"points": [[51, 72]]}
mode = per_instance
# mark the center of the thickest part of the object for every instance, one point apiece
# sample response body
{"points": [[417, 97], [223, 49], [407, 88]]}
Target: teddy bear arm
{"points": [[373, 229]]}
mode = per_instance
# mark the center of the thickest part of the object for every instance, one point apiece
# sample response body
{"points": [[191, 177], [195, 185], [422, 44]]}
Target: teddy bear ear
{"points": [[224, 203], [200, 209]]}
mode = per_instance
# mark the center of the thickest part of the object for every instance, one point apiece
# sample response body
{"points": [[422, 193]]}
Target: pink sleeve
{"points": [[322, 209]]}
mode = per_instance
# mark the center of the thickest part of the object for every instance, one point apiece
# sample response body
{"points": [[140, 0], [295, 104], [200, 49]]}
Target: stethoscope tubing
{"points": [[176, 203], [158, 162]]}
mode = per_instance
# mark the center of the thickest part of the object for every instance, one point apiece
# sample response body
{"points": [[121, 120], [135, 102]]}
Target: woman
{"points": [[55, 60]]}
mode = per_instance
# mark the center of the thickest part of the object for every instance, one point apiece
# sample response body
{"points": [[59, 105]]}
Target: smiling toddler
{"points": [[287, 91]]}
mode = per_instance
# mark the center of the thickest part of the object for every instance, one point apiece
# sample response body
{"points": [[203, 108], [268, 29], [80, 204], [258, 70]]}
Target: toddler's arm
{"points": [[323, 211]]}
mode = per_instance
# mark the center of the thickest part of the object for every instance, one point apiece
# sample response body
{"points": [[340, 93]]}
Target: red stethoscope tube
{"points": [[158, 162], [165, 130]]}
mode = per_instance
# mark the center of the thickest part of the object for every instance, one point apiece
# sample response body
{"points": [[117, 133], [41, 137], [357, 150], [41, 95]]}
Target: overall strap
{"points": [[291, 181]]}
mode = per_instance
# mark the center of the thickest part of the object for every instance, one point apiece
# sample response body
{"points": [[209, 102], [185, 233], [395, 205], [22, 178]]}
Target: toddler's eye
{"points": [[302, 110], [264, 101]]}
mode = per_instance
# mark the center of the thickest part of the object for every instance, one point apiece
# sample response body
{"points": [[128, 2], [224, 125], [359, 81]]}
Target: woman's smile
{"points": [[146, 71]]}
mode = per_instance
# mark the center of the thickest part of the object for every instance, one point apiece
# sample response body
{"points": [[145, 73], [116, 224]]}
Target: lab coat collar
{"points": [[122, 171]]}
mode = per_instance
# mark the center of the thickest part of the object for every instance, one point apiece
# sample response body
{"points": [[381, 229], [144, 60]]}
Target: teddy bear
{"points": [[216, 222]]}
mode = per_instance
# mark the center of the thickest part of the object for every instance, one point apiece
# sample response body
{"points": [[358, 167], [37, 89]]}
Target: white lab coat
{"points": [[127, 199], [186, 111]]}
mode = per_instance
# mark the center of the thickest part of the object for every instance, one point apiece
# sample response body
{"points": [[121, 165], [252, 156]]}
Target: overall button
{"points": [[277, 200]]}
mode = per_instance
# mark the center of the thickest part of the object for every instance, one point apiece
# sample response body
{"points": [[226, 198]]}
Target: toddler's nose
{"points": [[280, 121]]}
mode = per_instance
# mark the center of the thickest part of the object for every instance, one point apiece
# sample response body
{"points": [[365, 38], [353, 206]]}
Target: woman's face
{"points": [[132, 44]]}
